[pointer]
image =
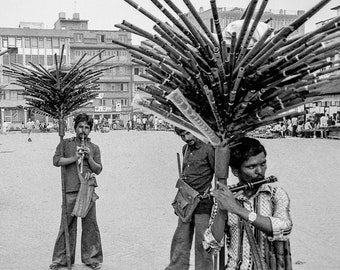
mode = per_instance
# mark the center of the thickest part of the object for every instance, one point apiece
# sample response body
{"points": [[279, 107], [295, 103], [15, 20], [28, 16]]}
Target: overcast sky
{"points": [[104, 14]]}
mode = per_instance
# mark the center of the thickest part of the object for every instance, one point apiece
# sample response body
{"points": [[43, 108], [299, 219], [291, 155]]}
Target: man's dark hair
{"points": [[83, 117], [245, 148], [179, 131]]}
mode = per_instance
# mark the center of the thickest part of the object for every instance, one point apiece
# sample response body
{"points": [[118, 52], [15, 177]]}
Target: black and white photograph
{"points": [[170, 134]]}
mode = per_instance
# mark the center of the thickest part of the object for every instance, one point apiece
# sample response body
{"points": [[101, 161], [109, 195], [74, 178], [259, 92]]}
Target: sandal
{"points": [[55, 266], [95, 266]]}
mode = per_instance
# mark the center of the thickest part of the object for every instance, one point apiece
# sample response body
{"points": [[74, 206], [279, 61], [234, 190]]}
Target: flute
{"points": [[82, 158], [239, 186]]}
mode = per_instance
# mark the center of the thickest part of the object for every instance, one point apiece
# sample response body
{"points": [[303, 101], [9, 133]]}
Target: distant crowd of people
{"points": [[147, 122], [306, 126], [137, 122]]}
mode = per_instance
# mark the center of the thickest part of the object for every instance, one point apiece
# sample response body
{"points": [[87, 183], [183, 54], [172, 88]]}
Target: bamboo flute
{"points": [[292, 56], [304, 17], [173, 41], [250, 34], [176, 22], [216, 22], [257, 61], [232, 58], [329, 26], [200, 22], [249, 14], [151, 46], [210, 96], [203, 47], [285, 31], [235, 88], [244, 62], [172, 38], [151, 78]]}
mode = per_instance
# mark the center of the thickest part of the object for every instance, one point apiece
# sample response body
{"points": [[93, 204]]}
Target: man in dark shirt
{"points": [[198, 171], [81, 160]]}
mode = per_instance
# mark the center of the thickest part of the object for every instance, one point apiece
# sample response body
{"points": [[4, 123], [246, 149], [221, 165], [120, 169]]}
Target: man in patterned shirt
{"points": [[257, 221]]}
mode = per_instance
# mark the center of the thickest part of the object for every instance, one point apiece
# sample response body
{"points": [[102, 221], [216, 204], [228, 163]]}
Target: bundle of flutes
{"points": [[225, 88], [59, 91]]}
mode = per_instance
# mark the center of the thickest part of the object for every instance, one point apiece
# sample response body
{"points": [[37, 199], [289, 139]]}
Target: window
{"points": [[100, 38], [20, 59], [123, 87], [136, 71], [49, 60], [27, 59], [102, 102], [5, 59], [78, 37], [19, 42], [11, 42], [122, 38], [27, 42], [112, 87], [34, 42], [138, 85], [13, 95], [48, 43], [55, 42], [5, 42], [12, 58], [41, 60], [41, 42], [124, 102], [35, 59]]}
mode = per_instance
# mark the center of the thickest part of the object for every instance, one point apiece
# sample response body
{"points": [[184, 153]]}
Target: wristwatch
{"points": [[251, 217]]}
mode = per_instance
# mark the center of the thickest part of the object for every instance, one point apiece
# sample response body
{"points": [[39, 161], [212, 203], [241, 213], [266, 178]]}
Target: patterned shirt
{"points": [[269, 201]]}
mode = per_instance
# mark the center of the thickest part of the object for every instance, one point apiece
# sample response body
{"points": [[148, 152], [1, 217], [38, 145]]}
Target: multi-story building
{"points": [[37, 45]]}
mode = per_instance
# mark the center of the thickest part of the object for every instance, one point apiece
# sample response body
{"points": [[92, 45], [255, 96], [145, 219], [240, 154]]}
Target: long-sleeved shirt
{"points": [[198, 171], [72, 181], [269, 201]]}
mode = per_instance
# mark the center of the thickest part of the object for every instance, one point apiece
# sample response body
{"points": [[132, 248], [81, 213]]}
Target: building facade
{"points": [[37, 45]]}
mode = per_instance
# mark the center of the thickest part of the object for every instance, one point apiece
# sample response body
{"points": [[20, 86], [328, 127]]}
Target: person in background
{"points": [[197, 172], [30, 127]]}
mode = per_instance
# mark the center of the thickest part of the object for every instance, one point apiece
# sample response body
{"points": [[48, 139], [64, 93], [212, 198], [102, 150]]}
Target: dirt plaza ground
{"points": [[136, 188]]}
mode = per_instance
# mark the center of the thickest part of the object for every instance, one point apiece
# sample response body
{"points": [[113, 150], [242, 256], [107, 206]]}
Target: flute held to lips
{"points": [[239, 186], [82, 158]]}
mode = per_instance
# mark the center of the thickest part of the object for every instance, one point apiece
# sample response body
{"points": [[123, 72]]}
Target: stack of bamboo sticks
{"points": [[220, 90], [60, 91]]}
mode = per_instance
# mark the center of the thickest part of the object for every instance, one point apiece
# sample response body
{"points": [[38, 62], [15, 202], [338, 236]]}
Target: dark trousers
{"points": [[182, 242], [294, 131], [91, 247]]}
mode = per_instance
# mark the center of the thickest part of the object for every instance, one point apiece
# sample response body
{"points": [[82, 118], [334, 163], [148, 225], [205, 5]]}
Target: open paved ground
{"points": [[136, 188]]}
